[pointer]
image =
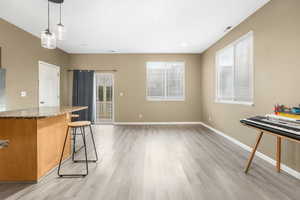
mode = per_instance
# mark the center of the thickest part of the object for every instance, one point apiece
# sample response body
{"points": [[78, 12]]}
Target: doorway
{"points": [[49, 85], [104, 98]]}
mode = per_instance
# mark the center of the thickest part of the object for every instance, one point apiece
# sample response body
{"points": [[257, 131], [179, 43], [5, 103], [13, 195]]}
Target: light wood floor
{"points": [[163, 162]]}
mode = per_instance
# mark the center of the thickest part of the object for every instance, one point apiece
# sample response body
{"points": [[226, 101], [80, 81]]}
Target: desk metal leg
{"points": [[278, 154], [253, 151]]}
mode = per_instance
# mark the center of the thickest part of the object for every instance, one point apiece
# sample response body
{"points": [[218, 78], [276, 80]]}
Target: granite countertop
{"points": [[41, 112]]}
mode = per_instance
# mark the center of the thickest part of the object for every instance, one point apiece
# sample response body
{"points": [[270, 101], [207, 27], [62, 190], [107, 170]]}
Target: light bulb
{"points": [[48, 39], [61, 31]]}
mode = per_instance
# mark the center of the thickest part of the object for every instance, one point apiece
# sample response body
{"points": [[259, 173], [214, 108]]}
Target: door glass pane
{"points": [[100, 93], [109, 93], [104, 100]]}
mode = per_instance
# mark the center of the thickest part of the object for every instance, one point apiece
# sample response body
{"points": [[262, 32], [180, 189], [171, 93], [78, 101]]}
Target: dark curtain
{"points": [[83, 93]]}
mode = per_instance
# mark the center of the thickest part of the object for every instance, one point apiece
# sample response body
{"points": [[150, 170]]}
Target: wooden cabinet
{"points": [[34, 149]]}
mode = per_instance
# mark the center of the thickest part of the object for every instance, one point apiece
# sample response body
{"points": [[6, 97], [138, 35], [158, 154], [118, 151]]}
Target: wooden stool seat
{"points": [[79, 123], [74, 116]]}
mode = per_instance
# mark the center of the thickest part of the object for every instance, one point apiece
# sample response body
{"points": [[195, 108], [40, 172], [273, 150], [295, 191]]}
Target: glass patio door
{"points": [[104, 97]]}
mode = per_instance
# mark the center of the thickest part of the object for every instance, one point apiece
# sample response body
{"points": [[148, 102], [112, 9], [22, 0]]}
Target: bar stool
{"points": [[78, 125], [81, 125]]}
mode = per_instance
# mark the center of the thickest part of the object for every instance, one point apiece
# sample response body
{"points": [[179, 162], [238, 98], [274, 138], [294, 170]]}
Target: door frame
{"points": [[50, 65], [113, 97]]}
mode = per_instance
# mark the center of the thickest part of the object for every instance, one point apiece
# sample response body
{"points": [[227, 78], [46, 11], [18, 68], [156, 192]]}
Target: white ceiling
{"points": [[133, 26]]}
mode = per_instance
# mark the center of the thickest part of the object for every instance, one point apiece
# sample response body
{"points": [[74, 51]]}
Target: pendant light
{"points": [[61, 30], [48, 39]]}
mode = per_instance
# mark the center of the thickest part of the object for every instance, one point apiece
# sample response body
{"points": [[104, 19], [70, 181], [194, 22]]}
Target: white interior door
{"points": [[49, 85]]}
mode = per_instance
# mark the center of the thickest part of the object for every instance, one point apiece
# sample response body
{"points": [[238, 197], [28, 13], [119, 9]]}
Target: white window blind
{"points": [[234, 72], [165, 80]]}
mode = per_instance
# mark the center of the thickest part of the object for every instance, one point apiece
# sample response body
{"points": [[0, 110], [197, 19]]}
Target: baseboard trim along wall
{"points": [[285, 168], [155, 123]]}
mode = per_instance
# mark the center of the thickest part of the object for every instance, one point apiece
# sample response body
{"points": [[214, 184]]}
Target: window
{"points": [[234, 72], [165, 81]]}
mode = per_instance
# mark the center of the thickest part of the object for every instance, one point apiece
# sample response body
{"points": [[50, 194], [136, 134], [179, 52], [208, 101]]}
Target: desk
{"points": [[280, 133], [36, 138]]}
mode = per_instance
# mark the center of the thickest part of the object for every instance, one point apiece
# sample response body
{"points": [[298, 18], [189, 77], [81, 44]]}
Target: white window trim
{"points": [[234, 102], [247, 103], [158, 98]]}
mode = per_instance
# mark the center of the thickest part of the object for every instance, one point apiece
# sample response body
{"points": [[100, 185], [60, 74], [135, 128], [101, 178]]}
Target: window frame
{"points": [[251, 71], [165, 98]]}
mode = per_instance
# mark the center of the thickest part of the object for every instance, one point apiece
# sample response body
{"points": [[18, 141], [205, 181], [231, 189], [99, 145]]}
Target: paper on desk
{"points": [[272, 116]]}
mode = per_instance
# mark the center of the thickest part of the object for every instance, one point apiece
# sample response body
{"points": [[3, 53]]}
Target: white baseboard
{"points": [[285, 168], [155, 123]]}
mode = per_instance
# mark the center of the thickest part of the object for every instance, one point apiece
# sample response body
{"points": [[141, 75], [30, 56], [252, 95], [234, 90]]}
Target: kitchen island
{"points": [[36, 137]]}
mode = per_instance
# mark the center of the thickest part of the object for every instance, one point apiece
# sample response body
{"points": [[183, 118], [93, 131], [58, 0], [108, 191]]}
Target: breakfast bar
{"points": [[36, 138]]}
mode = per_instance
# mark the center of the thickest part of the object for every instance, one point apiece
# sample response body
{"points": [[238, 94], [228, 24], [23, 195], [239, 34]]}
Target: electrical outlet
{"points": [[209, 118], [140, 116], [121, 94]]}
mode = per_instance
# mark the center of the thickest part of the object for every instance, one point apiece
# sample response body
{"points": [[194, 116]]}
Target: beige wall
{"points": [[21, 52], [277, 68], [131, 80]]}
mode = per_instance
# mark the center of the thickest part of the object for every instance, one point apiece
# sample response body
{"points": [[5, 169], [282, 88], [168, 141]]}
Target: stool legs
{"points": [[93, 140], [86, 161], [85, 152], [61, 157], [74, 143], [94, 145], [62, 153]]}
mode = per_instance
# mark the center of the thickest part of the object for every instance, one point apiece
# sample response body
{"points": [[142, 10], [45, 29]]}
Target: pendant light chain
{"points": [[61, 30]]}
